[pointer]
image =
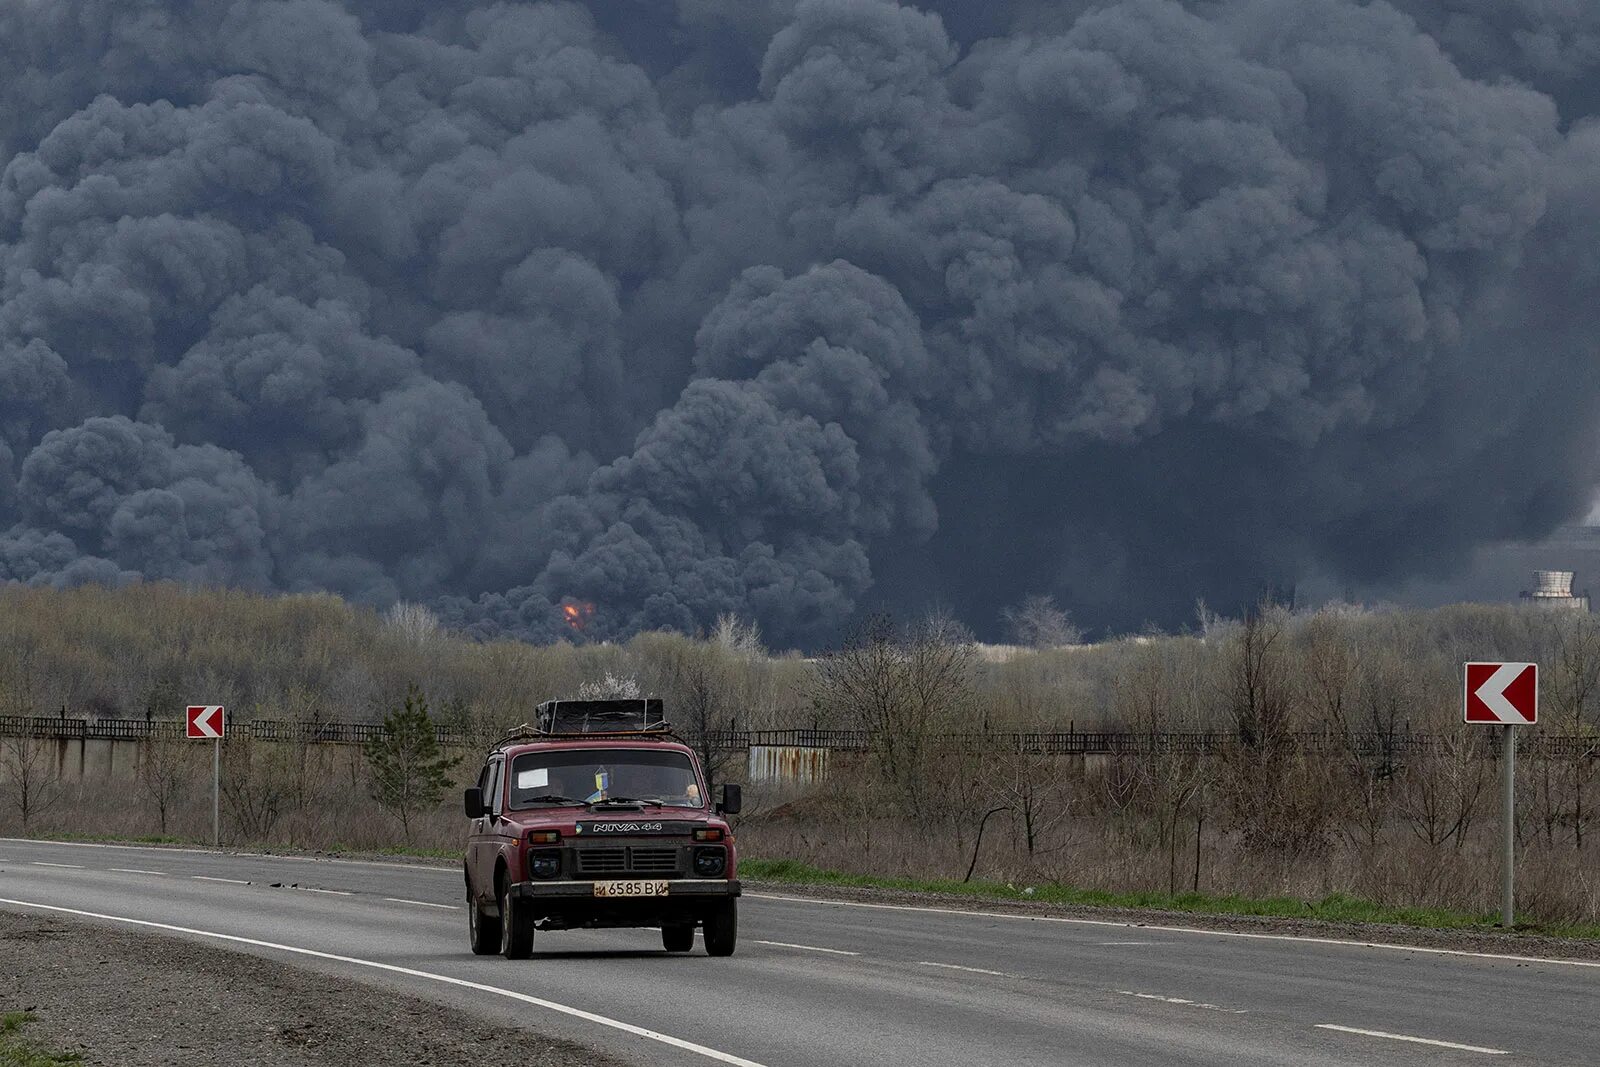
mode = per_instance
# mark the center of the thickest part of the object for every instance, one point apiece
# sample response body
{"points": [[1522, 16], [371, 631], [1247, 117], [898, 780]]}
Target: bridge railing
{"points": [[1396, 743]]}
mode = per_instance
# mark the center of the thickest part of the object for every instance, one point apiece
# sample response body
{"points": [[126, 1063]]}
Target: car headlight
{"points": [[544, 864], [710, 862]]}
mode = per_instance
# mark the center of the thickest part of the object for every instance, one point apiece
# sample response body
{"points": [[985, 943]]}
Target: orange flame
{"points": [[577, 613]]}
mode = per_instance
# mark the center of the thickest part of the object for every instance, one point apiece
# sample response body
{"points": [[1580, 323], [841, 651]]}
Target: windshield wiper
{"points": [[553, 798], [623, 800]]}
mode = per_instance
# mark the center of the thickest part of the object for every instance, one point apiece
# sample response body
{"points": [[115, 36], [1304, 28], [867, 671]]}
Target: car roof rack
{"points": [[637, 718]]}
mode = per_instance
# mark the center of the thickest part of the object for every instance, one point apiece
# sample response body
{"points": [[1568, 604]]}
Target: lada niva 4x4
{"points": [[598, 817]]}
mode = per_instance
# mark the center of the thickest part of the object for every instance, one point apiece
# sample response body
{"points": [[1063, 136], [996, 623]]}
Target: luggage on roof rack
{"points": [[615, 716]]}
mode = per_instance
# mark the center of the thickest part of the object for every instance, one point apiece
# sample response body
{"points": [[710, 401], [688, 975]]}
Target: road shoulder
{"points": [[129, 998]]}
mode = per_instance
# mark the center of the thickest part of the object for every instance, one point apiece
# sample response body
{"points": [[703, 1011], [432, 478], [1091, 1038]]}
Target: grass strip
{"points": [[1336, 907], [16, 1052]]}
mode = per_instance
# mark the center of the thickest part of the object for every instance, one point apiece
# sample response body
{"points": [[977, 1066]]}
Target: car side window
{"points": [[494, 796], [483, 780]]}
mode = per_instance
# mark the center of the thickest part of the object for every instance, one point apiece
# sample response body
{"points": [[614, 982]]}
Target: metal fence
{"points": [[1072, 742]]}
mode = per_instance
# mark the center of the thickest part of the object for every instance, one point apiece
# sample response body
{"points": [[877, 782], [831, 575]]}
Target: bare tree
{"points": [[1038, 622], [1575, 693], [413, 622], [904, 687], [610, 687], [34, 786], [738, 635], [702, 694], [165, 772], [34, 780]]}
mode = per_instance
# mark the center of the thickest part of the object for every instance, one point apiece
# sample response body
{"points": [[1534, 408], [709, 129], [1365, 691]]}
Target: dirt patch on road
{"points": [[1510, 944], [131, 999]]}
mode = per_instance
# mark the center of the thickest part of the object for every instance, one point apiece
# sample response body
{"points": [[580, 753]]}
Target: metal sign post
{"points": [[1506, 695], [209, 721], [1508, 854]]}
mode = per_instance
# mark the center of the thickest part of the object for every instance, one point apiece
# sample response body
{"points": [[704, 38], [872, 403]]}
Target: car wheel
{"points": [[516, 929], [483, 929], [722, 929], [679, 938]]}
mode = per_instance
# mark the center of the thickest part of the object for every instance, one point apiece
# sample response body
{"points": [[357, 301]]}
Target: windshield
{"points": [[578, 776]]}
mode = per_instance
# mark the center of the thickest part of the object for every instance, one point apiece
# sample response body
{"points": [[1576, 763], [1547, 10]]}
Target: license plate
{"points": [[630, 889]]}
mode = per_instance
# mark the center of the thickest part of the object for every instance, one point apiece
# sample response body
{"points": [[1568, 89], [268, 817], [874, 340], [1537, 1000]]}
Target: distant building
{"points": [[1553, 590]]}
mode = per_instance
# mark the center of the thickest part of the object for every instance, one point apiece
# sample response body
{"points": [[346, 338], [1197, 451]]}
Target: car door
{"points": [[494, 800], [479, 842]]}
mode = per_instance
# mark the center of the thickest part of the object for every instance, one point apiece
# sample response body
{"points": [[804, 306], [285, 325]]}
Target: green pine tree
{"points": [[409, 772]]}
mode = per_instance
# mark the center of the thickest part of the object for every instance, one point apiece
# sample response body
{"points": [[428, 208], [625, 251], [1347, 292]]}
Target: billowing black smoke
{"points": [[788, 307]]}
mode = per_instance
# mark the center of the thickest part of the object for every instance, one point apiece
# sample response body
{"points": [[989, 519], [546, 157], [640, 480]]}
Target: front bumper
{"points": [[677, 889]]}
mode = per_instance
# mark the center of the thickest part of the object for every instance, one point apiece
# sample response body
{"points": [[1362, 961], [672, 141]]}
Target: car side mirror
{"points": [[732, 799], [474, 803]]}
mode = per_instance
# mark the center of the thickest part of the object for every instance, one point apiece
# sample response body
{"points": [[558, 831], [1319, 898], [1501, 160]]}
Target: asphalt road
{"points": [[818, 984]]}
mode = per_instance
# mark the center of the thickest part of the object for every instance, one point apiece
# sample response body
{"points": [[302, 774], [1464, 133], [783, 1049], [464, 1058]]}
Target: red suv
{"points": [[598, 817]]}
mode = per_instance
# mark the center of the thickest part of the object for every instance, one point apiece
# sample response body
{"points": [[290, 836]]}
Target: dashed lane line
{"points": [[308, 889], [211, 878], [1157, 927], [68, 866], [1183, 1001], [969, 970], [136, 870], [539, 1002], [808, 948], [423, 903], [1414, 1040]]}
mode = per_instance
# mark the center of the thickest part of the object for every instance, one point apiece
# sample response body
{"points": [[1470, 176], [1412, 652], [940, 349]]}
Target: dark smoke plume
{"points": [[792, 307]]}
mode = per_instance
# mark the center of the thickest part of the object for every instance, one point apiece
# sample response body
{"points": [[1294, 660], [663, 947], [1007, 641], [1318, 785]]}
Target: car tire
{"points": [[679, 938], [722, 929], [483, 929], [516, 928]]}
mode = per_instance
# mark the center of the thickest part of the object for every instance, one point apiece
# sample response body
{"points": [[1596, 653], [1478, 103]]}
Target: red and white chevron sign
{"points": [[1505, 694], [205, 721]]}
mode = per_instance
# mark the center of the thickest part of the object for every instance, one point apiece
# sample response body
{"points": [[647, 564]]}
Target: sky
{"points": [[632, 314]]}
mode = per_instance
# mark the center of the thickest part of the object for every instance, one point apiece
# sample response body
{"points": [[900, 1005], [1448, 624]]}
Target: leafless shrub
{"points": [[610, 686], [1038, 622], [166, 772]]}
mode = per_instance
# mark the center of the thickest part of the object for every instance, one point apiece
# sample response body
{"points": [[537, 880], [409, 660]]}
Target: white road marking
{"points": [[423, 903], [1136, 942], [69, 866], [1176, 929], [224, 852], [958, 967], [330, 892], [511, 994], [809, 948], [1414, 1040], [1186, 1003], [209, 878], [135, 870]]}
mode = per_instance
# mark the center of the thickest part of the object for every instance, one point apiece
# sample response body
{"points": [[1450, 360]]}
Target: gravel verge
{"points": [[1507, 943], [131, 999]]}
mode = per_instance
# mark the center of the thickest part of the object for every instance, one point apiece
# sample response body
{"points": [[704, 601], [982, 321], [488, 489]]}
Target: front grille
{"points": [[654, 860], [632, 860], [602, 860]]}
